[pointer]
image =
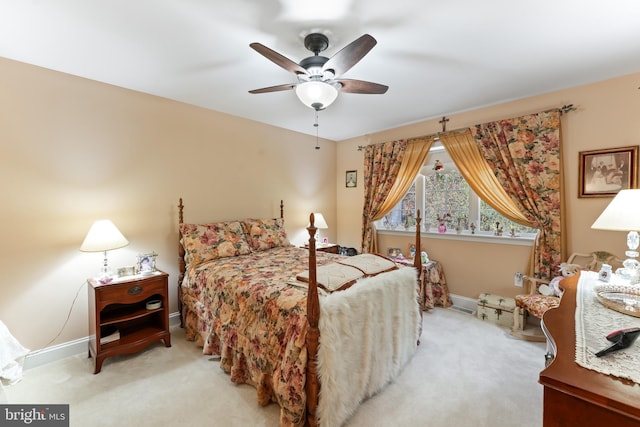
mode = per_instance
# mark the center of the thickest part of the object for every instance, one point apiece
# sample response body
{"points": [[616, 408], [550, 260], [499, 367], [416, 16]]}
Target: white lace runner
{"points": [[593, 322]]}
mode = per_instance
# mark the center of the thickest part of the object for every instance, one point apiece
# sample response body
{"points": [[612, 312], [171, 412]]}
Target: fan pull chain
{"points": [[316, 126]]}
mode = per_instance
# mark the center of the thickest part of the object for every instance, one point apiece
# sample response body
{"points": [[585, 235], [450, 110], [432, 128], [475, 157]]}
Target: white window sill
{"points": [[465, 236]]}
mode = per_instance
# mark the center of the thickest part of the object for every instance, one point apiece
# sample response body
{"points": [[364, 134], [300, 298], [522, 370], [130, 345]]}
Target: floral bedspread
{"points": [[243, 309]]}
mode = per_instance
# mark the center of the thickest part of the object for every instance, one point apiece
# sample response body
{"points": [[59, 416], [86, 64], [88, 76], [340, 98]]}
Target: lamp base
{"points": [[632, 276], [631, 270], [106, 274]]}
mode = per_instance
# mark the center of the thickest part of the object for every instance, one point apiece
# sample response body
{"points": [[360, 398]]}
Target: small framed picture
{"points": [[603, 173], [351, 179], [147, 263], [127, 271], [394, 253]]}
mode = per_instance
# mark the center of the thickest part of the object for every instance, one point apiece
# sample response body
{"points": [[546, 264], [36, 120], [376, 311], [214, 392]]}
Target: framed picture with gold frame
{"points": [[603, 173]]}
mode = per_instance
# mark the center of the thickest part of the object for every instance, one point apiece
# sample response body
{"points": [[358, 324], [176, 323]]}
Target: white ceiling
{"points": [[437, 57]]}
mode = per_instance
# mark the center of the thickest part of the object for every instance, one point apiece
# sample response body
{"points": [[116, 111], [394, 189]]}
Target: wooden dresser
{"points": [[576, 396]]}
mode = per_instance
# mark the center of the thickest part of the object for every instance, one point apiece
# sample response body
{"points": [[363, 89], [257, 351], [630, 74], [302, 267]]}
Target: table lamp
{"points": [[103, 236], [319, 223], [622, 214]]}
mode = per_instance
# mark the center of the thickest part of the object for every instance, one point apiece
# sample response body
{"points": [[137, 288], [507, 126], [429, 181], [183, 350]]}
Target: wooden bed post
{"points": [[417, 259], [312, 386], [417, 263], [181, 264], [281, 209]]}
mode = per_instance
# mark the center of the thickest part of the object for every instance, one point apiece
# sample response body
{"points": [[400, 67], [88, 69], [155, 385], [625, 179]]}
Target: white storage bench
{"points": [[497, 309]]}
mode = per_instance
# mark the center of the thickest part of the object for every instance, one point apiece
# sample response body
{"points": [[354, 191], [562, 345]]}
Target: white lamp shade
{"points": [[316, 94], [318, 221], [103, 236], [622, 214]]}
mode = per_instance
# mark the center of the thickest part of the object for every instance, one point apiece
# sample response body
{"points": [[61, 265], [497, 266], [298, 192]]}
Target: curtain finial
{"points": [[566, 108]]}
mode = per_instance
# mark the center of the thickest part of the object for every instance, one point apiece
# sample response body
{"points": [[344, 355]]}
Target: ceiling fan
{"points": [[319, 77]]}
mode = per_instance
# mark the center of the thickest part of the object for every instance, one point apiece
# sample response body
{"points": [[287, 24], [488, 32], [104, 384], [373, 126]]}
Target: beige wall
{"points": [[608, 115], [73, 151]]}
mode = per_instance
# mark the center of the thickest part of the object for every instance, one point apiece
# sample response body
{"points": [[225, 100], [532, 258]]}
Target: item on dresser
{"points": [[498, 309], [289, 339], [620, 297], [604, 275], [621, 340]]}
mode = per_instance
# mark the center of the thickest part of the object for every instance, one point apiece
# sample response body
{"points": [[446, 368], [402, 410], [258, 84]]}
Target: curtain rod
{"points": [[563, 110]]}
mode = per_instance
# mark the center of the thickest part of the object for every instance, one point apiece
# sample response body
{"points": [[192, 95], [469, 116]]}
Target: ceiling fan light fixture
{"points": [[316, 94]]}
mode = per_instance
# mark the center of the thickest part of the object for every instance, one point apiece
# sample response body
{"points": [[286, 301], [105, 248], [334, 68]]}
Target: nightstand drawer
{"points": [[131, 291]]}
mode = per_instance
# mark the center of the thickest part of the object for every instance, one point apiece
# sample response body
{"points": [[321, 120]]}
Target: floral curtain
{"points": [[525, 155], [389, 171], [381, 167], [472, 165]]}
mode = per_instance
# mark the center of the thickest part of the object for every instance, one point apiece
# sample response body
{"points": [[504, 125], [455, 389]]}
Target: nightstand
{"points": [[120, 319], [326, 247]]}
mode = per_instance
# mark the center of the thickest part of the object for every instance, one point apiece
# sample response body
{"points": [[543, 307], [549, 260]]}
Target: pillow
{"points": [[370, 264], [333, 276], [206, 242], [263, 234]]}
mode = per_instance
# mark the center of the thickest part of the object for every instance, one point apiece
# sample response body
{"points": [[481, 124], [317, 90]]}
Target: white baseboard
{"points": [[70, 348]]}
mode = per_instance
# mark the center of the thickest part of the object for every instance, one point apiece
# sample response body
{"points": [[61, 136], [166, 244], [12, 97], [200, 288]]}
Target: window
{"points": [[441, 192], [446, 195]]}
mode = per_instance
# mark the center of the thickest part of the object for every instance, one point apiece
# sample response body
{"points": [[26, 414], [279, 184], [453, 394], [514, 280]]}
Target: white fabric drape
{"points": [[12, 355]]}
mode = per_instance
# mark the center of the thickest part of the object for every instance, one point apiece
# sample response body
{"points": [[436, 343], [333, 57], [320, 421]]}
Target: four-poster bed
{"points": [[259, 305]]}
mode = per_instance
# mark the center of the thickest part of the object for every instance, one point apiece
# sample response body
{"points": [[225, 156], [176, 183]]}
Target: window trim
{"points": [[526, 240]]}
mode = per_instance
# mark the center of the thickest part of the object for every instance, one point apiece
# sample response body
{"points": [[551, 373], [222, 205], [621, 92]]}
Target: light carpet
{"points": [[465, 373]]}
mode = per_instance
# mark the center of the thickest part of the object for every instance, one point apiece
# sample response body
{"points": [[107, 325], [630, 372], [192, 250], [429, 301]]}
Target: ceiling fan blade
{"points": [[278, 88], [349, 56], [278, 59], [360, 86]]}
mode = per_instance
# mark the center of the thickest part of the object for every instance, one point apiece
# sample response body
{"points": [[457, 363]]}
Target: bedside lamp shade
{"points": [[320, 223], [623, 214], [103, 236], [319, 220]]}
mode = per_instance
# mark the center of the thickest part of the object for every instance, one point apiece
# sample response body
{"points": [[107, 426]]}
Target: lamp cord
{"points": [[65, 322]]}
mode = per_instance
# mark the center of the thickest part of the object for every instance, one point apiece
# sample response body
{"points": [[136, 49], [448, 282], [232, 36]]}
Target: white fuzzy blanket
{"points": [[367, 334], [12, 355]]}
